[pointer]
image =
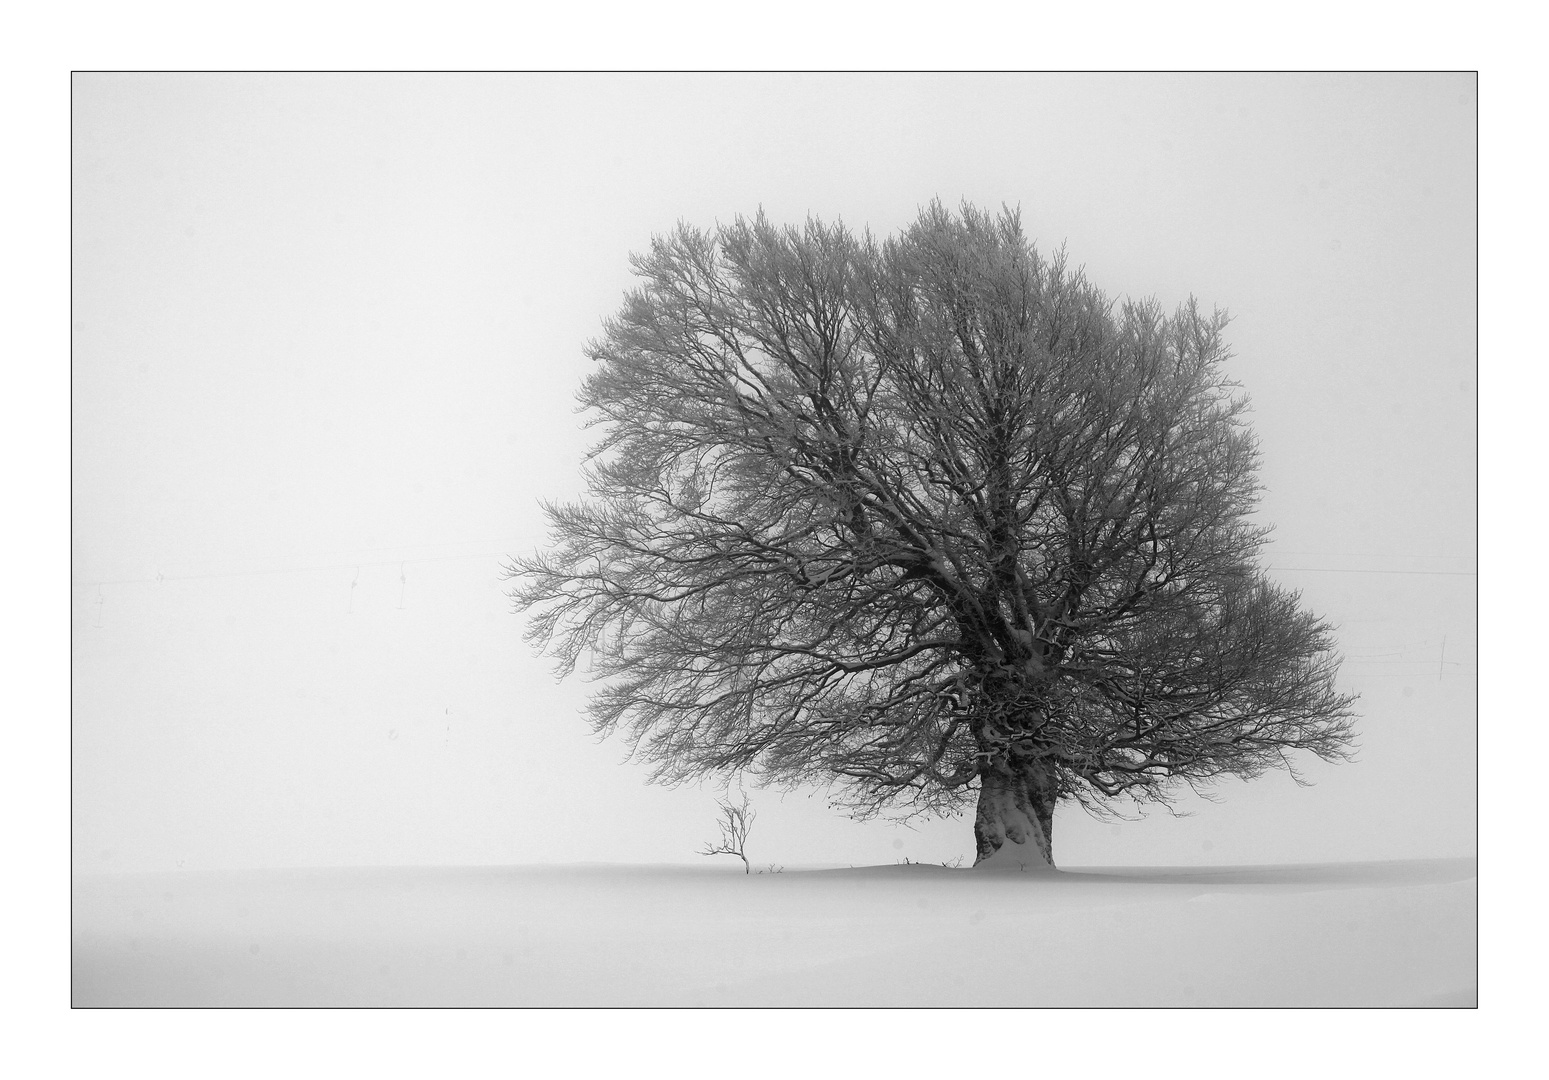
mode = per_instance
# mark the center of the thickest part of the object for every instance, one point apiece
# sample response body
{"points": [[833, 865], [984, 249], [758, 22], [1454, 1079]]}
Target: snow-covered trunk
{"points": [[1014, 827]]}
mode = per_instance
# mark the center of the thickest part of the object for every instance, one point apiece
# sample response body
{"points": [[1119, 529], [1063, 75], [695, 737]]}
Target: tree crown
{"points": [[884, 513]]}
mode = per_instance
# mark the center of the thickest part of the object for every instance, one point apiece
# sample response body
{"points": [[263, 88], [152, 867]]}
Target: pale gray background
{"points": [[335, 321]]}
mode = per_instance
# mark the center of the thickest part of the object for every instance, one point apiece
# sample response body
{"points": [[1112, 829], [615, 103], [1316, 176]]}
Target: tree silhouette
{"points": [[932, 520]]}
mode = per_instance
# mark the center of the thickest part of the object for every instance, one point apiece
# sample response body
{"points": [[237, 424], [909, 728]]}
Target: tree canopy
{"points": [[904, 516]]}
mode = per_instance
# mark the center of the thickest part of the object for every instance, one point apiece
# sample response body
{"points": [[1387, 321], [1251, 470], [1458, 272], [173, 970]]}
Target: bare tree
{"points": [[931, 519], [736, 823]]}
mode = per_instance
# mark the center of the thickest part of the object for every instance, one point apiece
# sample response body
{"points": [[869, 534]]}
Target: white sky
{"points": [[325, 322]]}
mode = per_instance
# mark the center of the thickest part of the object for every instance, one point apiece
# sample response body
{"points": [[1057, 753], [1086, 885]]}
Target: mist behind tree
{"points": [[932, 520]]}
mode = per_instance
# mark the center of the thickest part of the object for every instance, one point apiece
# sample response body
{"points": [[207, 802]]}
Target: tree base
{"points": [[1013, 829]]}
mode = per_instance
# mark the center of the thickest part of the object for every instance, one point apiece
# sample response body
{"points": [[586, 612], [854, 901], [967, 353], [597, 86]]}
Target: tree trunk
{"points": [[1014, 828]]}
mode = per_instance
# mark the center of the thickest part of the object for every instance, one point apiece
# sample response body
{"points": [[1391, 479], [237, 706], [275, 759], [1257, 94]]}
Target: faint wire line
{"points": [[286, 570], [323, 554], [97, 583], [1352, 662], [1346, 570], [1408, 674], [1371, 555]]}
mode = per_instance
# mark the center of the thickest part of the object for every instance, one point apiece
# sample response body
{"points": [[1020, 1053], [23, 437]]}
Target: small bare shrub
{"points": [[736, 821]]}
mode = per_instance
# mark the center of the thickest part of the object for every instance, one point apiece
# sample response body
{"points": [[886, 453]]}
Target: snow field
{"points": [[1356, 934]]}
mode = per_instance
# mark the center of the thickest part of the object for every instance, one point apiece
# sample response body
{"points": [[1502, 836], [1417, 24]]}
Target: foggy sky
{"points": [[327, 330]]}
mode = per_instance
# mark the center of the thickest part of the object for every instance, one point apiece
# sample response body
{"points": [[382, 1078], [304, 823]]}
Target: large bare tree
{"points": [[931, 520]]}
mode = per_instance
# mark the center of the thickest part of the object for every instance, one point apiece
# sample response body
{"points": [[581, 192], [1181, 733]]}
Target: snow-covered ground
{"points": [[1391, 933]]}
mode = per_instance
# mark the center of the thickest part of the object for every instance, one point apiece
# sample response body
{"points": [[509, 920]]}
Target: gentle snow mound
{"points": [[1015, 858]]}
